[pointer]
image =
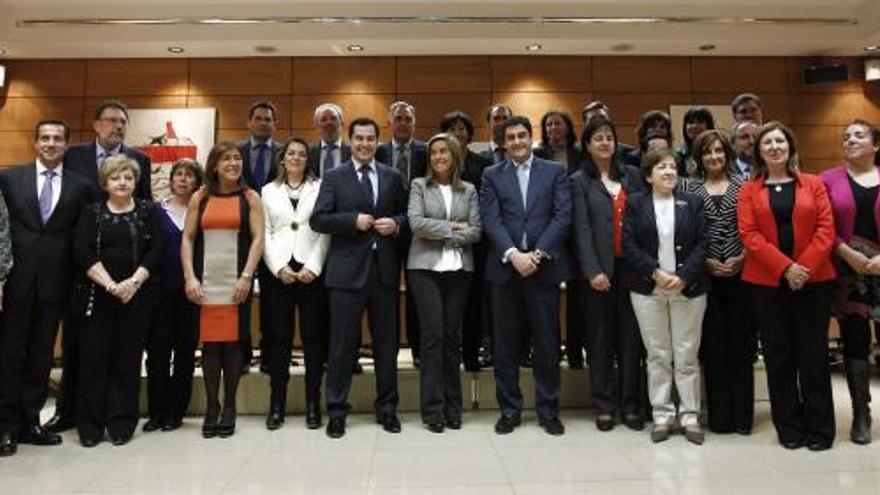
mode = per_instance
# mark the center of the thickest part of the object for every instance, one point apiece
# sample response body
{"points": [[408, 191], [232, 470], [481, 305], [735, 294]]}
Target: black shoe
{"points": [[37, 435], [89, 442], [742, 430], [225, 430], [172, 424], [313, 415], [120, 440], [389, 423], [792, 444], [453, 424], [553, 426], [336, 427], [506, 424], [605, 422], [634, 422], [274, 420], [435, 427], [209, 429], [60, 423], [8, 445], [818, 445], [152, 425]]}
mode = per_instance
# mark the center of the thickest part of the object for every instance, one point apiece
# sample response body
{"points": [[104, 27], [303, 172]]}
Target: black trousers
{"points": [[282, 301], [794, 332], [575, 336], [68, 392], [346, 309], [728, 349], [169, 380], [614, 348], [522, 307], [27, 336], [477, 316], [413, 325], [111, 344], [440, 299], [855, 332]]}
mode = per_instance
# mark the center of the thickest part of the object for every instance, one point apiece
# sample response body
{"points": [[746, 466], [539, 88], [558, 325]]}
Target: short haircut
{"points": [[457, 158], [52, 121], [737, 126], [114, 104], [400, 105], [515, 121], [570, 137], [212, 181], [742, 99], [265, 104], [696, 113], [647, 121], [593, 106], [495, 107], [705, 141], [116, 164], [793, 164], [360, 121], [655, 156], [452, 118], [593, 126], [193, 167], [308, 173], [328, 107]]}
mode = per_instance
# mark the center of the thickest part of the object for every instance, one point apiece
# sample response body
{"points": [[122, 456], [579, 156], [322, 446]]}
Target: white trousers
{"points": [[671, 327]]}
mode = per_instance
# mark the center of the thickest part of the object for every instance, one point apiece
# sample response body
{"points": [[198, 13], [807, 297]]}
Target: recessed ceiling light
{"points": [[265, 49], [872, 48], [534, 47], [355, 48], [707, 47], [176, 49]]}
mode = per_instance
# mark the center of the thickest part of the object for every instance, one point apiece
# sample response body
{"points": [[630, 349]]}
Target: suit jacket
{"points": [[843, 204], [288, 233], [418, 151], [244, 147], [641, 243], [432, 230], [573, 154], [315, 157], [340, 200], [474, 165], [593, 219], [813, 225], [42, 254], [82, 159], [545, 219]]}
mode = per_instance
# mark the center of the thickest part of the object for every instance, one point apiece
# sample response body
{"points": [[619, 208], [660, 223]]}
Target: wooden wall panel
{"points": [[430, 109], [232, 111], [118, 78], [344, 75], [18, 146], [443, 75], [819, 142], [642, 74], [627, 108], [833, 108], [90, 105], [45, 77], [240, 76], [353, 106], [739, 74], [22, 114], [542, 74]]}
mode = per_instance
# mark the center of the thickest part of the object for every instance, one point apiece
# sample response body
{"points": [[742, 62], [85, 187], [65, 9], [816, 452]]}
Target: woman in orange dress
{"points": [[221, 247]]}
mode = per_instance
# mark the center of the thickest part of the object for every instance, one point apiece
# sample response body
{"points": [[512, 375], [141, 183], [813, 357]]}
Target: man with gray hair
{"points": [[330, 151], [743, 136]]}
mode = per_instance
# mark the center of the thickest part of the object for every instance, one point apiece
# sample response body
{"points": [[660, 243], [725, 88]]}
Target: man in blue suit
{"points": [[362, 205], [526, 210]]}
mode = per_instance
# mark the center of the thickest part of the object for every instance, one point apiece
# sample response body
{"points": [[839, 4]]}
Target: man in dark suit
{"points": [[330, 151], [495, 117], [526, 213], [84, 159], [362, 205], [44, 202], [408, 156]]}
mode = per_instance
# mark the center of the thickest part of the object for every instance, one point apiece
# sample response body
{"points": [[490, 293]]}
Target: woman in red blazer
{"points": [[787, 229]]}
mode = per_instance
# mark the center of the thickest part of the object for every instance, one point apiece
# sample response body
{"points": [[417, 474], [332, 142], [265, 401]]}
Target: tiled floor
{"points": [[471, 461]]}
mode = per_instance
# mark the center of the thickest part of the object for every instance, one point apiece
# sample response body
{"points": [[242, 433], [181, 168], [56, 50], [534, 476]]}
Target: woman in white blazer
{"points": [[295, 254], [444, 217]]}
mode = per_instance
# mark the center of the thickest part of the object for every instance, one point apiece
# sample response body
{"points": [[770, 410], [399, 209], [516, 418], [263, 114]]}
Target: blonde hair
{"points": [[457, 158], [115, 164]]}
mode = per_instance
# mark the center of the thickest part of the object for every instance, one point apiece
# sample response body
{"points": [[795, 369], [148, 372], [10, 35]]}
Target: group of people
{"points": [[674, 260]]}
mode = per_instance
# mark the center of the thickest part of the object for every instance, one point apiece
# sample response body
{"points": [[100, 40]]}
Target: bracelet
{"points": [[246, 275]]}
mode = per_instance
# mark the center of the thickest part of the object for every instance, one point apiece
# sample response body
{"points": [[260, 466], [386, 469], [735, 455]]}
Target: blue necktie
{"points": [[260, 166], [329, 162], [46, 196]]}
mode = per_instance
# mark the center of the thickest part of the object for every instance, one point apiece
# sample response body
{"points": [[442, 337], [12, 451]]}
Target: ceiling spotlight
{"points": [[355, 48], [872, 48], [175, 49], [534, 47], [707, 47]]}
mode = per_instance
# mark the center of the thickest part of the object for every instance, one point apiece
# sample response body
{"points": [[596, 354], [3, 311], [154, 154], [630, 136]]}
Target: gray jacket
{"points": [[431, 230]]}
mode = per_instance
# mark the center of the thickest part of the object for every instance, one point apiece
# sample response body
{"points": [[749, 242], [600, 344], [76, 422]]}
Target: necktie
{"points": [[402, 163], [367, 184], [260, 166], [329, 162], [46, 196]]}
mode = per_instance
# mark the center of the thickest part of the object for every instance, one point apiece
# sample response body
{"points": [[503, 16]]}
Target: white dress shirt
{"points": [[450, 258], [664, 212]]}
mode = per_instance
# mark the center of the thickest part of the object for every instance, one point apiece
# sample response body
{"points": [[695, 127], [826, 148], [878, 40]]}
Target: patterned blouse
{"points": [[5, 244], [720, 212]]}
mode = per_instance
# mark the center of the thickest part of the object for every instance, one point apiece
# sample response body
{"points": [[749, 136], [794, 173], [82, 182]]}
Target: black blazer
{"points": [[474, 164], [42, 254], [339, 202], [418, 151], [82, 159], [244, 147], [641, 242], [315, 156], [593, 219]]}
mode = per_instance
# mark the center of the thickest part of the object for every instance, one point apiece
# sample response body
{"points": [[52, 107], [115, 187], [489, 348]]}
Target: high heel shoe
{"points": [[209, 430], [226, 430]]}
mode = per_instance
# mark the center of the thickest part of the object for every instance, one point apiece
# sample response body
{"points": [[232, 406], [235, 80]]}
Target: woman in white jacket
{"points": [[295, 255]]}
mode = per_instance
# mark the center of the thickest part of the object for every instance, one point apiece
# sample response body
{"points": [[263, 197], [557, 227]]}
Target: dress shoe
{"points": [[453, 424], [694, 434], [37, 435], [792, 444], [389, 423], [60, 423], [634, 422], [336, 427], [225, 430], [209, 430], [660, 433], [818, 445], [172, 424], [313, 415], [553, 426], [506, 424], [152, 425], [120, 440], [435, 427], [274, 420], [8, 445], [742, 430], [89, 442], [605, 422]]}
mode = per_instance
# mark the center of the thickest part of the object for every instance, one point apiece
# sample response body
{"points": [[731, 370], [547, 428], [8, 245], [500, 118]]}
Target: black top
{"points": [[865, 198], [782, 204]]}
